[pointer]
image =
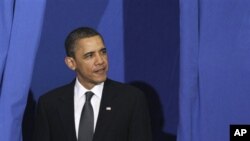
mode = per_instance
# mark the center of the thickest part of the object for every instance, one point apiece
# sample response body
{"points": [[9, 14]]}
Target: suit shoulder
{"points": [[57, 92], [123, 87]]}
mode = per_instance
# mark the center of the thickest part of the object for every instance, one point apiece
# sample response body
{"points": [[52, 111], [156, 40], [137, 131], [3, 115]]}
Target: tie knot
{"points": [[89, 95]]}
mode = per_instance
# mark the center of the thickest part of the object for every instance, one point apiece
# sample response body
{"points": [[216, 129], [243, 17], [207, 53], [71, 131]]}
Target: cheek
{"points": [[84, 67], [84, 71], [106, 59], [87, 67]]}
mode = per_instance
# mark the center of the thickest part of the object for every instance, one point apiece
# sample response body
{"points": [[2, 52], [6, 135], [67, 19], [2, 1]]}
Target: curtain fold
{"points": [[6, 17], [189, 71], [214, 68], [20, 26]]}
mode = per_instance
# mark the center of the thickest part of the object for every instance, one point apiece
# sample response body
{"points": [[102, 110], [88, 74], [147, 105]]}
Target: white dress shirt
{"points": [[79, 100]]}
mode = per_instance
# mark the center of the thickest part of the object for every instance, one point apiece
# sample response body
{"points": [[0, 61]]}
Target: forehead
{"points": [[90, 43]]}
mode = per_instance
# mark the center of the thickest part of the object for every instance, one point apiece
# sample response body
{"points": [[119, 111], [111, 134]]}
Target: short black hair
{"points": [[77, 34]]}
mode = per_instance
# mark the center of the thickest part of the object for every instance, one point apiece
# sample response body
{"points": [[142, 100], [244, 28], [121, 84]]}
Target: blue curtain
{"points": [[20, 29], [214, 68]]}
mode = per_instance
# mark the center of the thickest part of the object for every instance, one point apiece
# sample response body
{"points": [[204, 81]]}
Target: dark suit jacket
{"points": [[128, 119]]}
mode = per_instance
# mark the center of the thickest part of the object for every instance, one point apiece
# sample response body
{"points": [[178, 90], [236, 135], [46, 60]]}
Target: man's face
{"points": [[90, 61]]}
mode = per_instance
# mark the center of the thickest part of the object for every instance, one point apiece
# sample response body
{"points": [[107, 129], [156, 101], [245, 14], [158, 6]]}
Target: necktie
{"points": [[86, 126]]}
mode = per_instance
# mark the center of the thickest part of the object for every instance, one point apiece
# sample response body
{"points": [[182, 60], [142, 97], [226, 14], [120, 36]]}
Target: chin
{"points": [[100, 80]]}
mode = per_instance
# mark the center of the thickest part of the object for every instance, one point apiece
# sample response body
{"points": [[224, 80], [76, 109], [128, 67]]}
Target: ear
{"points": [[70, 62]]}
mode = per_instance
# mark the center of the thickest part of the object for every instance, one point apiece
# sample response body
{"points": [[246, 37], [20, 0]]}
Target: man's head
{"points": [[86, 54]]}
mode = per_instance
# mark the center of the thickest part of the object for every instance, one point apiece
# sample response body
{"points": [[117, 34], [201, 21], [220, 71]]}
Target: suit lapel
{"points": [[66, 111], [105, 112]]}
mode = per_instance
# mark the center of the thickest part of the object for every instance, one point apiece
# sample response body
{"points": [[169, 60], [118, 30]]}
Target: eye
{"points": [[104, 51], [88, 55]]}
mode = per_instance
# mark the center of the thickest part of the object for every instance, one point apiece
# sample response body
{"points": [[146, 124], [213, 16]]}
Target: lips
{"points": [[100, 70]]}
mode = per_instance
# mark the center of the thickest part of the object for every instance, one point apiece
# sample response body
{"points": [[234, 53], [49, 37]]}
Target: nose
{"points": [[99, 59]]}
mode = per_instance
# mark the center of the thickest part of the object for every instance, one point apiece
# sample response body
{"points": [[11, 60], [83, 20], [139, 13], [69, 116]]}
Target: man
{"points": [[92, 107]]}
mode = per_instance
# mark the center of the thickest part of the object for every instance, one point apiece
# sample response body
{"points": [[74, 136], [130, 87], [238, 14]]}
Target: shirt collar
{"points": [[80, 90]]}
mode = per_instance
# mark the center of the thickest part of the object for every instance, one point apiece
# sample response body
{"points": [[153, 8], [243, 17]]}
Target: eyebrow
{"points": [[103, 49], [88, 53], [92, 52]]}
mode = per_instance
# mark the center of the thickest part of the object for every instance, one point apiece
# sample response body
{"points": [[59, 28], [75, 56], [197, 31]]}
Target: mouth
{"points": [[100, 71]]}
